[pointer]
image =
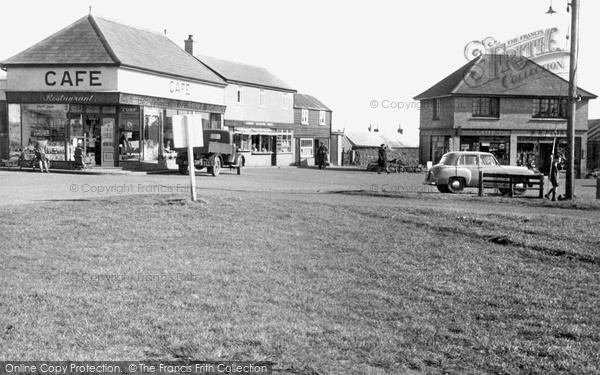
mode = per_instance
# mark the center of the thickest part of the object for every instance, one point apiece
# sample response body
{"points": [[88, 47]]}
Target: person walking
{"points": [[322, 156], [382, 160], [40, 149], [553, 176]]}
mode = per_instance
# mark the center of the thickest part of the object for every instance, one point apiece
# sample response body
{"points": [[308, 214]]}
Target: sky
{"points": [[365, 60]]}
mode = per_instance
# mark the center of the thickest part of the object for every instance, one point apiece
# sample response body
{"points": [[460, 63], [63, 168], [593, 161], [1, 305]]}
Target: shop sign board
{"points": [[61, 78], [141, 83], [187, 132], [187, 129]]}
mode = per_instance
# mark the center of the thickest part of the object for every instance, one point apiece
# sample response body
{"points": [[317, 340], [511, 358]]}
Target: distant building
{"points": [[509, 106], [259, 111], [361, 148], [593, 145], [312, 127]]}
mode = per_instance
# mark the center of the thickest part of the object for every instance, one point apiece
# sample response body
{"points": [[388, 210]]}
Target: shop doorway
{"points": [[274, 151], [93, 137], [107, 148], [100, 139]]}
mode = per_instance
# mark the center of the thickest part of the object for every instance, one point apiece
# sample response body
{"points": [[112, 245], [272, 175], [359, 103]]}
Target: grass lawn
{"points": [[385, 288]]}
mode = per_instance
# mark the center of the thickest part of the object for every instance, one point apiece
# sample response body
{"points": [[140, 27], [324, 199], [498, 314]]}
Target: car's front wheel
{"points": [[456, 185], [443, 189], [216, 168]]}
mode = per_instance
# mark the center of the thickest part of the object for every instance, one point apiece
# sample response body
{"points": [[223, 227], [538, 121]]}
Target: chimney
{"points": [[189, 45]]}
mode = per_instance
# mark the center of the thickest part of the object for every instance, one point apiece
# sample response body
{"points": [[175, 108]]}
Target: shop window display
{"points": [[243, 142], [284, 142], [151, 141], [261, 143], [45, 121], [129, 134]]}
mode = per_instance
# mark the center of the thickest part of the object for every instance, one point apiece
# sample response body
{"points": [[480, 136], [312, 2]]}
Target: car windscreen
{"points": [[488, 160]]}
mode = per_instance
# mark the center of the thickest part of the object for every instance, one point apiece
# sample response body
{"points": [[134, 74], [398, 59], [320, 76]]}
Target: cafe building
{"points": [[110, 88], [509, 106]]}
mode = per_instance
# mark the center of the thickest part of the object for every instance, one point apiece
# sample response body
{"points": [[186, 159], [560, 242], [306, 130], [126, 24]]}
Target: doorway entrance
{"points": [[100, 139]]}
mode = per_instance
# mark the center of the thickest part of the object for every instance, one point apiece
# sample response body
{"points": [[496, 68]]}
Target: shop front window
{"points": [[45, 122], [14, 128], [243, 142], [284, 141], [152, 130], [439, 146], [306, 148], [129, 133], [261, 143], [215, 121]]}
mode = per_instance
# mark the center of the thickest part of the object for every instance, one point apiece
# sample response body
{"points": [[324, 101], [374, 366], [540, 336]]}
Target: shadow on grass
{"points": [[492, 198]]}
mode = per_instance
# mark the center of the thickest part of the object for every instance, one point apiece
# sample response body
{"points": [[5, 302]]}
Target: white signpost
{"points": [[187, 132]]}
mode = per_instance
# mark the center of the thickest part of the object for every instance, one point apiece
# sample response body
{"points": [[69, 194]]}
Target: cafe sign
{"points": [[56, 79]]}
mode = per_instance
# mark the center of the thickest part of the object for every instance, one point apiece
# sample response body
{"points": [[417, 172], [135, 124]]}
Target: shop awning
{"points": [[254, 131]]}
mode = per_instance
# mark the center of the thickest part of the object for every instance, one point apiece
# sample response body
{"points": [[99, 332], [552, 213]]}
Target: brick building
{"points": [[509, 106]]}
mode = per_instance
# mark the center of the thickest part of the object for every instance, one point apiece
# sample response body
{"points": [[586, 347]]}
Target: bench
{"points": [[507, 182]]}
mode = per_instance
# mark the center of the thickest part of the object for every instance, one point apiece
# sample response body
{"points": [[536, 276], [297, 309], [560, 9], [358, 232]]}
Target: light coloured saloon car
{"points": [[459, 170]]}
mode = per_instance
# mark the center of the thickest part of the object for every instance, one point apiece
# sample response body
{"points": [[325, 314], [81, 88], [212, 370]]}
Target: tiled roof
{"points": [[77, 43], [500, 75], [243, 73], [309, 102], [152, 51], [374, 139], [96, 41], [594, 130]]}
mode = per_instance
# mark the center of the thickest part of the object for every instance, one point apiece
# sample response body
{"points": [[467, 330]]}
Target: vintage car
{"points": [[219, 151], [458, 170]]}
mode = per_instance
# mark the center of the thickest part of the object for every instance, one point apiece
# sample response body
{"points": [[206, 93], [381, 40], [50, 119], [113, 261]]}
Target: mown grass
{"points": [[315, 288]]}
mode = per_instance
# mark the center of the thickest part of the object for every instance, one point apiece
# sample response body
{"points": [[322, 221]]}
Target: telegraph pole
{"points": [[572, 100]]}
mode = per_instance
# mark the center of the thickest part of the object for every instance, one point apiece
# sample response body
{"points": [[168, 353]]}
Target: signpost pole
{"points": [[189, 125]]}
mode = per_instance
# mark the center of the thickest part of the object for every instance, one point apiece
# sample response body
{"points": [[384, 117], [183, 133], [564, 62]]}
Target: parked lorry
{"points": [[219, 151]]}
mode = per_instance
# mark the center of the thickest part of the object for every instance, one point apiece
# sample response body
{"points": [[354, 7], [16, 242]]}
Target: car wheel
{"points": [[216, 168], [456, 185], [183, 169], [443, 188]]}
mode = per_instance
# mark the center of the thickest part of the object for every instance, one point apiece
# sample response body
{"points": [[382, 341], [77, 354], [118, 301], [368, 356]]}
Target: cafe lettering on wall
{"points": [[176, 87], [75, 78]]}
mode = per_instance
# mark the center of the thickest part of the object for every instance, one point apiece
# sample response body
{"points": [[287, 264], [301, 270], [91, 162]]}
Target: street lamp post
{"points": [[572, 100]]}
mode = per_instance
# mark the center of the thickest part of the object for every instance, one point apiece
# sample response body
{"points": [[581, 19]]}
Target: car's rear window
{"points": [[447, 159]]}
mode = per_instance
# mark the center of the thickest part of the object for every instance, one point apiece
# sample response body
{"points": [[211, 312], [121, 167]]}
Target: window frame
{"points": [[286, 102], [240, 95], [307, 148], [304, 117], [436, 109], [262, 102], [322, 118], [543, 106], [485, 106]]}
